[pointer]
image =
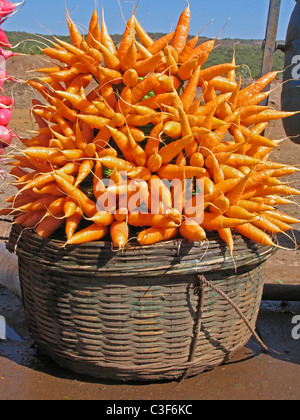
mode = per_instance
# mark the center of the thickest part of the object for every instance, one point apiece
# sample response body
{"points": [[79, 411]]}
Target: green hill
{"points": [[248, 52]]}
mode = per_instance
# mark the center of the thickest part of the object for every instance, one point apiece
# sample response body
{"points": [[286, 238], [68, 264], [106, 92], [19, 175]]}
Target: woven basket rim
{"points": [[176, 256]]}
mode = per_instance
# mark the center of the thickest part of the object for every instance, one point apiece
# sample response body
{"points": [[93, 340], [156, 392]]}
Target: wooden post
{"points": [[269, 46]]}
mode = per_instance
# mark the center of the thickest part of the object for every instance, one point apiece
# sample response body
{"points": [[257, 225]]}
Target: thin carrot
{"points": [[188, 94], [90, 234], [139, 154], [48, 226], [186, 70], [171, 172], [215, 222], [154, 140], [94, 34], [153, 220], [127, 39], [124, 103], [170, 151], [192, 231], [119, 232], [131, 78], [188, 48], [130, 57], [113, 162], [160, 44], [226, 235], [123, 143], [144, 67], [103, 218], [153, 235], [141, 89], [215, 71], [70, 207], [85, 169], [61, 55], [88, 206], [145, 39], [110, 59], [106, 39], [73, 222], [154, 162]]}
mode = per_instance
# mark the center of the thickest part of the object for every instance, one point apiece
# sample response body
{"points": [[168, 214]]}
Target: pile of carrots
{"points": [[150, 110]]}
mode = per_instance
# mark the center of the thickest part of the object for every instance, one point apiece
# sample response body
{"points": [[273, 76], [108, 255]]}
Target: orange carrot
{"points": [[160, 44], [226, 235], [172, 129], [94, 34], [112, 76], [72, 223], [85, 169], [182, 31], [154, 140], [106, 39], [171, 172], [124, 103], [70, 207], [141, 89], [197, 159], [215, 222], [188, 48], [215, 71], [169, 152], [127, 39], [123, 143], [186, 70], [140, 157], [48, 226], [254, 233], [130, 57], [188, 95], [90, 234], [103, 218], [144, 67], [192, 231], [145, 39], [153, 235], [153, 220], [130, 78], [61, 55], [154, 162], [120, 164], [88, 206], [119, 232]]}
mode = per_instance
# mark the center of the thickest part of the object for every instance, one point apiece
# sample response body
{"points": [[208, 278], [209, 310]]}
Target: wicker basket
{"points": [[162, 312]]}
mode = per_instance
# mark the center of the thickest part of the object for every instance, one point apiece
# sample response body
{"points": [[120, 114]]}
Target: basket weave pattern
{"points": [[94, 320]]}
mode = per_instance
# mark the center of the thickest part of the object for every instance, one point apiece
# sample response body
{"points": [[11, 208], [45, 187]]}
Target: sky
{"points": [[243, 19]]}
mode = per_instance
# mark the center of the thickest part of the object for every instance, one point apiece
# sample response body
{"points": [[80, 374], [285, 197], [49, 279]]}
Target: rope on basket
{"points": [[198, 324], [216, 289], [200, 291]]}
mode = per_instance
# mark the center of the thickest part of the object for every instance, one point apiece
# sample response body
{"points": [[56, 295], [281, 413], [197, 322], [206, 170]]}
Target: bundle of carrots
{"points": [[149, 110]]}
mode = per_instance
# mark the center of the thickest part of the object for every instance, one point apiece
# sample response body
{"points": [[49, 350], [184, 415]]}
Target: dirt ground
{"points": [[26, 374]]}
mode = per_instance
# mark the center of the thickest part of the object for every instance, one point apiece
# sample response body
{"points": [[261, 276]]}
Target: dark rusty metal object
{"points": [[291, 88]]}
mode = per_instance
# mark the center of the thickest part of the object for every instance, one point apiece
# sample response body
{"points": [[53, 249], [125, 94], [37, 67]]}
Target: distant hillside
{"points": [[248, 52]]}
